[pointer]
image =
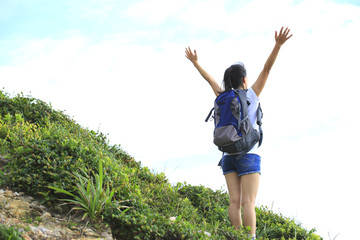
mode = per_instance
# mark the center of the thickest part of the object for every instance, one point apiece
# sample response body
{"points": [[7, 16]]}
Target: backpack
{"points": [[233, 131]]}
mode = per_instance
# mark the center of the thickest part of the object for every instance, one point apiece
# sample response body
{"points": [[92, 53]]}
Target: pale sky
{"points": [[119, 66]]}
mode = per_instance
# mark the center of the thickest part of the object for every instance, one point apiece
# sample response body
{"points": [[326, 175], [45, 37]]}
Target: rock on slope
{"points": [[35, 221]]}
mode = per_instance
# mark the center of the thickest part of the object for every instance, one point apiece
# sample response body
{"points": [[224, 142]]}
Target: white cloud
{"points": [[155, 11], [205, 15]]}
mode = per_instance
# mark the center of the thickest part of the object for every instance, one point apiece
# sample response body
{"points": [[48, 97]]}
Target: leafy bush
{"points": [[275, 226], [46, 145], [209, 204], [33, 110], [41, 155]]}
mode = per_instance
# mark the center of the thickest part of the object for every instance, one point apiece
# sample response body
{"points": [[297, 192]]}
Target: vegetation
{"points": [[92, 198], [9, 233], [53, 157]]}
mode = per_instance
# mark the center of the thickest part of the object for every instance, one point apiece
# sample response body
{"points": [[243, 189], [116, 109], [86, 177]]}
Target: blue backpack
{"points": [[234, 132]]}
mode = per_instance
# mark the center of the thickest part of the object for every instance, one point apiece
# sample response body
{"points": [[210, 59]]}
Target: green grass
{"points": [[9, 233]]}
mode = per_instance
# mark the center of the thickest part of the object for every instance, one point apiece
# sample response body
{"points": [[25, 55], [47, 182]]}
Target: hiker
{"points": [[242, 174]]}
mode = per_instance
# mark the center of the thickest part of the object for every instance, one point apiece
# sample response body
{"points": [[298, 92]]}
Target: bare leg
{"points": [[234, 187], [249, 187]]}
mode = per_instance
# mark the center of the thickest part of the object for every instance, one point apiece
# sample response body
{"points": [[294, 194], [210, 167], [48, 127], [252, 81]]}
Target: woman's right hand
{"points": [[190, 55], [194, 59], [283, 36]]}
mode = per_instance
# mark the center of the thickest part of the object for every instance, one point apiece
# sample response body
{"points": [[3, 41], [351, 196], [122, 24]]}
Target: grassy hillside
{"points": [[53, 157]]}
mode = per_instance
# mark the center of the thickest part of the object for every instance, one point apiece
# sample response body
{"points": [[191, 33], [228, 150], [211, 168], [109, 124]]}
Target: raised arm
{"points": [[194, 59], [280, 39]]}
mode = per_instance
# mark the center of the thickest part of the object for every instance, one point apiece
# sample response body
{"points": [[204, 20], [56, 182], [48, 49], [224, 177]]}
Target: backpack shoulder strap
{"points": [[259, 122], [209, 115], [211, 111], [243, 101]]}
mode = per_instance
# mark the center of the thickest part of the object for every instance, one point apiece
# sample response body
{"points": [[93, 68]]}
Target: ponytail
{"points": [[233, 77], [227, 80]]}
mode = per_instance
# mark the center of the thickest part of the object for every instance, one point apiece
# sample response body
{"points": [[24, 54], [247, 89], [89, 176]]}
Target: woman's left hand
{"points": [[190, 55]]}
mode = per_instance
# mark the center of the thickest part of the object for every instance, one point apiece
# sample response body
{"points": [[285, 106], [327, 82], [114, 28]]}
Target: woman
{"points": [[242, 175]]}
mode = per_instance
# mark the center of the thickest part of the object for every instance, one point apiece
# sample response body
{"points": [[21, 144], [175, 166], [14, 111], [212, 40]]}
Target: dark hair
{"points": [[233, 77]]}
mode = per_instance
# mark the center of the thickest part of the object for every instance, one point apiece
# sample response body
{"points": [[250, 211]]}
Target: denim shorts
{"points": [[250, 163]]}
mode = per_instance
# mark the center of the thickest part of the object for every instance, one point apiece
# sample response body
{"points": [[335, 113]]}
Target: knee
{"points": [[235, 201], [247, 202]]}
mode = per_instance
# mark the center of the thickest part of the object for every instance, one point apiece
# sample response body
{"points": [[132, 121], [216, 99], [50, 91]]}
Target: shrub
{"points": [[211, 205], [275, 226], [42, 155], [33, 110]]}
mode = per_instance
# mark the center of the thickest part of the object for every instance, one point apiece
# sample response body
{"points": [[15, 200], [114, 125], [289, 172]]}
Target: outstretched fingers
{"points": [[187, 52], [283, 35], [287, 31], [190, 55]]}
